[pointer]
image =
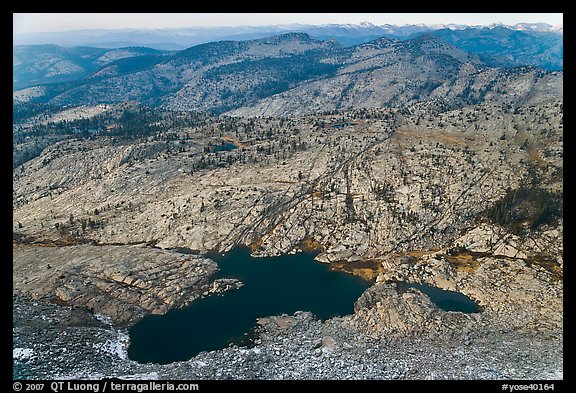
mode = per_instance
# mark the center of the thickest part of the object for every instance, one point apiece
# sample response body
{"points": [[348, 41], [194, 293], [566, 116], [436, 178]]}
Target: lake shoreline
{"points": [[376, 341], [289, 347]]}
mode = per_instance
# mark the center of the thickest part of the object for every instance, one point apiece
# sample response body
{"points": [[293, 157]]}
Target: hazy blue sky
{"points": [[48, 22]]}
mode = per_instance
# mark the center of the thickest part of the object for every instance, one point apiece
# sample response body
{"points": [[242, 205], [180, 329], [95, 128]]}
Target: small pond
{"points": [[448, 300]]}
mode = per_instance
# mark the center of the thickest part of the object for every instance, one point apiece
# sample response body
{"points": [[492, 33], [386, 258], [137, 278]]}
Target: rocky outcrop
{"points": [[388, 309], [221, 285], [121, 282], [497, 241], [512, 293]]}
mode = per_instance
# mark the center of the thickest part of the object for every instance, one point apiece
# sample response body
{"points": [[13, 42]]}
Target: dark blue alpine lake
{"points": [[272, 286]]}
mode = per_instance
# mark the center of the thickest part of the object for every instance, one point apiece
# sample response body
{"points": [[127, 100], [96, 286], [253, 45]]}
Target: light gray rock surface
{"points": [[123, 283], [400, 195]]}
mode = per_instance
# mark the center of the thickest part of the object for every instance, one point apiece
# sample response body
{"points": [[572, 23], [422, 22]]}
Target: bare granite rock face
{"points": [[357, 186], [495, 240], [121, 282], [403, 195], [386, 310]]}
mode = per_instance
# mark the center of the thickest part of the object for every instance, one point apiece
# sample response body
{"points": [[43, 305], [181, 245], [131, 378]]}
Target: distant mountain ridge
{"points": [[42, 64], [292, 73], [181, 38], [501, 46], [535, 44]]}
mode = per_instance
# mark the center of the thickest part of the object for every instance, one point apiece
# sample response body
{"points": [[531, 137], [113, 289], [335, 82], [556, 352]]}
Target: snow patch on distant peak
{"points": [[366, 24]]}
